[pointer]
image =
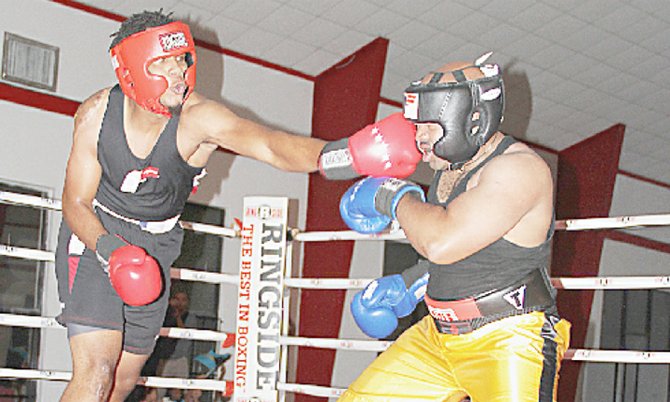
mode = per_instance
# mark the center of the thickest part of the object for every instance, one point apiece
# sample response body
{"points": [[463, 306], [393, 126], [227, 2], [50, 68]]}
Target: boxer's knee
{"points": [[96, 375]]}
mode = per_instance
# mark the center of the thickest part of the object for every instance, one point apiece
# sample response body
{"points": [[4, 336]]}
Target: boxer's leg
{"points": [[414, 368]]}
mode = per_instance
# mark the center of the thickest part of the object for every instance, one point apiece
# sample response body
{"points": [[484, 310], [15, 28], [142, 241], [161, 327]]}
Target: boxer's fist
{"points": [[376, 322], [392, 292], [135, 275], [384, 148], [377, 308], [105, 246], [357, 208], [370, 204]]}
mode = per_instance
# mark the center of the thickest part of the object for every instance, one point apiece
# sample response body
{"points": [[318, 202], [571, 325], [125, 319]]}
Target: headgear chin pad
{"points": [[132, 57], [469, 111]]}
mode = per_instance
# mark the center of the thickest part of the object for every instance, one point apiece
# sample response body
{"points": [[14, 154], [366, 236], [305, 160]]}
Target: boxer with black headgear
{"points": [[139, 150], [483, 231], [469, 111]]}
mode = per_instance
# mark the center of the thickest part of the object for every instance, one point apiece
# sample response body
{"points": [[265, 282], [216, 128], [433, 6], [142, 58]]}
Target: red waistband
{"points": [[456, 310], [531, 293]]}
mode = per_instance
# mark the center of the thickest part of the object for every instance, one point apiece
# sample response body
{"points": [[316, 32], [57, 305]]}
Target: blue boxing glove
{"points": [[369, 205], [377, 308]]}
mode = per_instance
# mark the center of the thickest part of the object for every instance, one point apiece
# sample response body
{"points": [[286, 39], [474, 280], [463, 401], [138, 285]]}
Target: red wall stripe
{"points": [[391, 102], [206, 45], [346, 98], [639, 241], [91, 10], [644, 179], [289, 71], [39, 100], [585, 187]]}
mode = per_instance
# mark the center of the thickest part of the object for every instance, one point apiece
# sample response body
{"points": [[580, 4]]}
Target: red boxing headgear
{"points": [[133, 55]]}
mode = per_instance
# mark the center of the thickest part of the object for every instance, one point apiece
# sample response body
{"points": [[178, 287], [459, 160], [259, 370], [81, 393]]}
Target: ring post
{"points": [[260, 295]]}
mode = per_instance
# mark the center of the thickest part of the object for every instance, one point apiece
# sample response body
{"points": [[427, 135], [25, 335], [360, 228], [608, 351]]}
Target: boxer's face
{"points": [[427, 134], [172, 69]]}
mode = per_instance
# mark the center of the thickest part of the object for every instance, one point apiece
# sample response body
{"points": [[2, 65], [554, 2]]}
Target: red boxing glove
{"points": [[385, 148], [134, 275]]}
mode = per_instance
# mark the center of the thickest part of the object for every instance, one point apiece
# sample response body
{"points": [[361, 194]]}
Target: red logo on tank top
{"points": [[134, 178]]}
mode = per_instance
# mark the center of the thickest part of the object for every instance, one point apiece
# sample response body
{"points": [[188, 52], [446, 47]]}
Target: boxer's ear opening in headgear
{"points": [[143, 39], [468, 110]]}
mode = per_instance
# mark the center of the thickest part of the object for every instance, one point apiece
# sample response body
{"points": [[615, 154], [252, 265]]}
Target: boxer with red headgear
{"points": [[132, 57], [484, 233], [139, 149]]}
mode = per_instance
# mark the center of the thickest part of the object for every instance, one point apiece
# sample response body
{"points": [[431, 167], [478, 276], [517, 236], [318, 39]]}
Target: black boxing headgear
{"points": [[469, 111]]}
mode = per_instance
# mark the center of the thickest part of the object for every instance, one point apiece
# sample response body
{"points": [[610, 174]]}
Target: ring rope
{"points": [[617, 356], [590, 355], [30, 321], [155, 382], [563, 283], [343, 344], [313, 390], [177, 273], [398, 234], [615, 222], [203, 276], [27, 253], [612, 283], [336, 343], [56, 205], [586, 283]]}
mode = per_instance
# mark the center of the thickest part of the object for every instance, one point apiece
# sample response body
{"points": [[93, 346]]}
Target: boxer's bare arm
{"points": [[513, 190], [215, 124], [83, 171]]}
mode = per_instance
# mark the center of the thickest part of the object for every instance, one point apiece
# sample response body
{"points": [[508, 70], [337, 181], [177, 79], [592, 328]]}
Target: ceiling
{"points": [[572, 67]]}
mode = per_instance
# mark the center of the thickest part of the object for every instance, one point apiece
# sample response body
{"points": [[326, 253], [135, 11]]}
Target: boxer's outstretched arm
{"points": [[216, 124], [83, 171]]}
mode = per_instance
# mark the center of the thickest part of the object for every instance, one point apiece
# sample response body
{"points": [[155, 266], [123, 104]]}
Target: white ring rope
{"points": [[30, 321], [336, 343], [155, 382], [586, 283], [313, 390], [177, 273], [617, 356], [347, 235], [195, 275], [342, 344], [615, 222], [56, 205], [612, 283], [587, 355], [27, 253]]}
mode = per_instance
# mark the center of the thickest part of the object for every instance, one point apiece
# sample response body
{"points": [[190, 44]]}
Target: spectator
{"points": [[173, 353]]}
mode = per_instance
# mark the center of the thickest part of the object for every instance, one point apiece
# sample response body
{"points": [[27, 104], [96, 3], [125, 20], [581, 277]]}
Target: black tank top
{"points": [[151, 189], [493, 267]]}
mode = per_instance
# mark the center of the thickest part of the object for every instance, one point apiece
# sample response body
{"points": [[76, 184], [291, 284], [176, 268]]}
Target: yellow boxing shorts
{"points": [[515, 359]]}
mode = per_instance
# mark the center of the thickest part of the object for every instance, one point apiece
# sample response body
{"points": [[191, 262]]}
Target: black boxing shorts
{"points": [[87, 297]]}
